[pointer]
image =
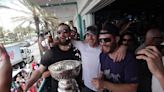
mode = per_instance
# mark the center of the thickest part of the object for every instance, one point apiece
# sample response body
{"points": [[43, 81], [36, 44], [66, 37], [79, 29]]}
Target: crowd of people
{"points": [[111, 61]]}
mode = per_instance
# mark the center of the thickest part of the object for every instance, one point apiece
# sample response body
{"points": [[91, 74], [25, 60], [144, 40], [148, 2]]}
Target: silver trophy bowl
{"points": [[65, 71]]}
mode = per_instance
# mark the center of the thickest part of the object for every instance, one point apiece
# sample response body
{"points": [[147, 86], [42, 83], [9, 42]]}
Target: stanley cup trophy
{"points": [[65, 71]]}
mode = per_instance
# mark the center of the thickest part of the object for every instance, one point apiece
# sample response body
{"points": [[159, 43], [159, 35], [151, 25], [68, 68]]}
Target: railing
{"points": [[42, 85]]}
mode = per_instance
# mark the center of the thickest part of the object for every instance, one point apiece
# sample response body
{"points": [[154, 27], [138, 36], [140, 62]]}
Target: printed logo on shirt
{"points": [[112, 76], [77, 53]]}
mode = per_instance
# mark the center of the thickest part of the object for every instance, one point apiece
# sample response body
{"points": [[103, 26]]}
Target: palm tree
{"points": [[32, 13], [2, 34]]}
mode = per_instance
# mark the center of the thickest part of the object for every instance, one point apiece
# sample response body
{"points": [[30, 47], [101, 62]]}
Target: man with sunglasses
{"points": [[64, 50], [153, 37], [116, 76], [128, 39], [90, 51]]}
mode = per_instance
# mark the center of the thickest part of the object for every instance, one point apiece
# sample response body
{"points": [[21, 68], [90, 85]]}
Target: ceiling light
{"points": [[47, 4]]}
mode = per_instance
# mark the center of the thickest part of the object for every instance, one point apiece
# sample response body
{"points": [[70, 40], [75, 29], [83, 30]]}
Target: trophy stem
{"points": [[65, 71], [68, 85]]}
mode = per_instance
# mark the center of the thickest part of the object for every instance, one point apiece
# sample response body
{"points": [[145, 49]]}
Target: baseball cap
{"points": [[109, 28], [92, 30]]}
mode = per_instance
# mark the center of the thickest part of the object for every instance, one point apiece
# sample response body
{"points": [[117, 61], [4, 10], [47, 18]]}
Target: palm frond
{"points": [[32, 10], [19, 19], [21, 23]]}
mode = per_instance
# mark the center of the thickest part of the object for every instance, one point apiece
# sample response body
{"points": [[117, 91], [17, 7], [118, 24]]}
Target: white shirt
{"points": [[156, 87], [90, 62]]}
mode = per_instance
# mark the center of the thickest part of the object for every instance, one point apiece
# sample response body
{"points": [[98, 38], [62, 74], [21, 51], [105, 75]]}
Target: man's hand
{"points": [[3, 54], [46, 74], [5, 70], [119, 54], [98, 83], [153, 58]]}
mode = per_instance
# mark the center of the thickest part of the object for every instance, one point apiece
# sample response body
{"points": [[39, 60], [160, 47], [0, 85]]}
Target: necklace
{"points": [[66, 47]]}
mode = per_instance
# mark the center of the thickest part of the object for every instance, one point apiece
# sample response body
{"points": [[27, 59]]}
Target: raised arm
{"points": [[43, 48], [154, 61], [120, 54], [5, 70], [34, 77]]}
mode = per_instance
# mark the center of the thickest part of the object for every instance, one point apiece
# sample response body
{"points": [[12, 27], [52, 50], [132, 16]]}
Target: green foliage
{"points": [[1, 32]]}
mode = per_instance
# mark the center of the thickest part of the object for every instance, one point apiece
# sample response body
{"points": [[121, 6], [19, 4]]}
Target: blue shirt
{"points": [[125, 71]]}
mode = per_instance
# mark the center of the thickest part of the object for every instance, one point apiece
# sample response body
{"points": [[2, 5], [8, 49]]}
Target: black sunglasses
{"points": [[127, 39], [160, 37], [62, 31], [105, 40]]}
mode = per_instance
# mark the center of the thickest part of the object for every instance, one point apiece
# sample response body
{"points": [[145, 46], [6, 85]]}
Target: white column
{"points": [[89, 19]]}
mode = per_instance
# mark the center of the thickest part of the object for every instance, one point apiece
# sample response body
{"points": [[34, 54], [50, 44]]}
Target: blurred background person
{"points": [[46, 41], [128, 39], [74, 34]]}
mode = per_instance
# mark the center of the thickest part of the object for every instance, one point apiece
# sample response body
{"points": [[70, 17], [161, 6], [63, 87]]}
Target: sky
{"points": [[5, 19], [6, 15]]}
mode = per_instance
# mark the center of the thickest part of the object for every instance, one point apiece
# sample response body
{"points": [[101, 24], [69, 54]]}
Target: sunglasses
{"points": [[127, 39], [62, 31], [158, 37], [105, 40]]}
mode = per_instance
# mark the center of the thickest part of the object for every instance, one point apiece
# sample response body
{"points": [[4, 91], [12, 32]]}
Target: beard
{"points": [[104, 49], [109, 49], [66, 42]]}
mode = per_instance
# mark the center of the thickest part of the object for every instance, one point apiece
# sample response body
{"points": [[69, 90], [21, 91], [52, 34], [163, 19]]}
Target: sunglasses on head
{"points": [[105, 40]]}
